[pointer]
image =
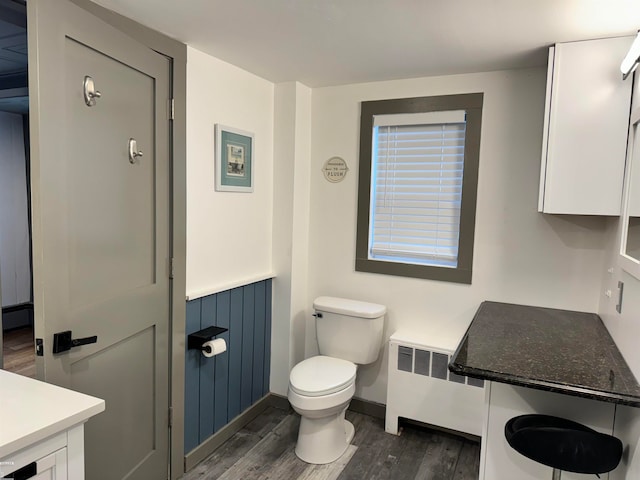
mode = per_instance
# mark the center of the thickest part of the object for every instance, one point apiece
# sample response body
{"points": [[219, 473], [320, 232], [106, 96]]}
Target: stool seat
{"points": [[563, 444]]}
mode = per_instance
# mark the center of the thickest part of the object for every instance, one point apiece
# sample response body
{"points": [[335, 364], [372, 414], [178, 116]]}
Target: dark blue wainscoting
{"points": [[219, 388]]}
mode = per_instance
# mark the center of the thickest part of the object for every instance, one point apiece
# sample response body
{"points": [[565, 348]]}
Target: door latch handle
{"points": [[24, 473], [62, 341]]}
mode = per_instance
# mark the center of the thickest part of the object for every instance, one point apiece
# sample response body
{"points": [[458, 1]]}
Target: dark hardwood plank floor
{"points": [[264, 449], [18, 351]]}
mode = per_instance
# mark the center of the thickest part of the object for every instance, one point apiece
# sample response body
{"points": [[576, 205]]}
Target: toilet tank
{"points": [[349, 329]]}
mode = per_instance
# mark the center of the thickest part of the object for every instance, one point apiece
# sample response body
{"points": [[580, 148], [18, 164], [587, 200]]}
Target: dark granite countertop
{"points": [[548, 349]]}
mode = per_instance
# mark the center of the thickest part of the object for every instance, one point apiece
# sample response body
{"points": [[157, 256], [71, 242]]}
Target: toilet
{"points": [[320, 388]]}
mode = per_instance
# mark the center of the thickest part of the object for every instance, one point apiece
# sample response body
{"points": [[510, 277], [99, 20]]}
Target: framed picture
{"points": [[234, 160]]}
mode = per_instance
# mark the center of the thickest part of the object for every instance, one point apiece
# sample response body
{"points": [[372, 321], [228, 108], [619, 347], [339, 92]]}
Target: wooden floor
{"points": [[264, 449], [18, 351]]}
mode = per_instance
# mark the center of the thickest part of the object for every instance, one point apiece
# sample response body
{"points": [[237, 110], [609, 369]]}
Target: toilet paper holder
{"points": [[196, 340]]}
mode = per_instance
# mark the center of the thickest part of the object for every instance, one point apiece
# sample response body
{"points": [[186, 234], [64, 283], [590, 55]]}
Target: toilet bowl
{"points": [[349, 333], [320, 390]]}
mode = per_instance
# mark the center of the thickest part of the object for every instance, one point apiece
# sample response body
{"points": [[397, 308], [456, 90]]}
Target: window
{"points": [[417, 186]]}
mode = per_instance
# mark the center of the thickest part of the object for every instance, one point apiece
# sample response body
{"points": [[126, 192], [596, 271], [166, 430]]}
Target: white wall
{"points": [[520, 256], [228, 233], [292, 142], [14, 224]]}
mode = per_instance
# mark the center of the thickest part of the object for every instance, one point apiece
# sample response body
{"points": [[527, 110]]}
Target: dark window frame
{"points": [[472, 103]]}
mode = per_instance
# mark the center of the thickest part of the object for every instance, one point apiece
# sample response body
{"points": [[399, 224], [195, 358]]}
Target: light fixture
{"points": [[630, 62]]}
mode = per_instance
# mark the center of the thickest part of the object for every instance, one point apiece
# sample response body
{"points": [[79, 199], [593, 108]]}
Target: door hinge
{"points": [[172, 109], [171, 268], [170, 417]]}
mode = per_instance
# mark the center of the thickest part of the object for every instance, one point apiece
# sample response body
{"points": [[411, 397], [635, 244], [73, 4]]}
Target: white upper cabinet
{"points": [[585, 128]]}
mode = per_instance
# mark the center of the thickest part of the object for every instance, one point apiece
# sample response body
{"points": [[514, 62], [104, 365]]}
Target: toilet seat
{"points": [[321, 375]]}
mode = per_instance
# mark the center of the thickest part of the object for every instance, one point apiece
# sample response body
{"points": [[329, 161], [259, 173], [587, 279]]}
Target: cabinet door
{"points": [[587, 117], [53, 467], [49, 467]]}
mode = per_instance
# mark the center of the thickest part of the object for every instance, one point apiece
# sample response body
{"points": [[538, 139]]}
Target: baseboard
{"points": [[212, 443], [17, 316], [367, 407], [279, 401], [18, 307]]}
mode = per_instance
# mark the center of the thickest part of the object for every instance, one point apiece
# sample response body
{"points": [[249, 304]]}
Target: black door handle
{"points": [[24, 473], [62, 341]]}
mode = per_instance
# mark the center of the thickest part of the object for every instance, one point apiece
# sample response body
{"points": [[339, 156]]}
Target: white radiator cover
{"points": [[415, 392]]}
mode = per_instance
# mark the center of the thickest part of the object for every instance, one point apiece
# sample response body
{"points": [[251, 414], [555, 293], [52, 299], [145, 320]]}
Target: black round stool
{"points": [[563, 445]]}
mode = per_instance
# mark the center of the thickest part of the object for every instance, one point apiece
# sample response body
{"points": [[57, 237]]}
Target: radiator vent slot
{"points": [[431, 364], [405, 359], [423, 362]]}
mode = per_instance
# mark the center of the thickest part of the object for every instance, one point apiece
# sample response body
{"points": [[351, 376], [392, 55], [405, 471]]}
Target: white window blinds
{"points": [[416, 192]]}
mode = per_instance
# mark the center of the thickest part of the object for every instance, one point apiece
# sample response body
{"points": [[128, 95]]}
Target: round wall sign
{"points": [[335, 169]]}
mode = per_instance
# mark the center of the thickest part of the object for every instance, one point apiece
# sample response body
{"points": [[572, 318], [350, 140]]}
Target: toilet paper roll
{"points": [[214, 347]]}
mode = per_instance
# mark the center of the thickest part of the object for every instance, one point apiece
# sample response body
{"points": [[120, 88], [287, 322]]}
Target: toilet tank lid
{"points": [[352, 308]]}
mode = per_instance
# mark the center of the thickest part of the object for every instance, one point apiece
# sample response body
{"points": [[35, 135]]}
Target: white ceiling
{"points": [[332, 42]]}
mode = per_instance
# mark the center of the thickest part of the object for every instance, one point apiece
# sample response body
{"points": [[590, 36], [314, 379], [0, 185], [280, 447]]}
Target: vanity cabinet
{"points": [[42, 429], [50, 459], [585, 128]]}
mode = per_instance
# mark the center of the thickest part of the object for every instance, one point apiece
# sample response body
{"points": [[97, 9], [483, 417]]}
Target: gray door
{"points": [[101, 230]]}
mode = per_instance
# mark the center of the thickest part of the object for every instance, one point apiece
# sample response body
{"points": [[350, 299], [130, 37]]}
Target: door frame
{"points": [[177, 53]]}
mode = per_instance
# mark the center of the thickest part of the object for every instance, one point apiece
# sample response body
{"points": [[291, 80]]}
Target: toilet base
{"points": [[324, 440]]}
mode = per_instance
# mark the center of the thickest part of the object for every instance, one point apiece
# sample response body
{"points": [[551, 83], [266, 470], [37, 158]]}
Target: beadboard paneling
{"points": [[219, 388]]}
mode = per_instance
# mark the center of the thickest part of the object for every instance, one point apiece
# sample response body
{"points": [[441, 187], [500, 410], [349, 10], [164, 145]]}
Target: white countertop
{"points": [[442, 338], [31, 411]]}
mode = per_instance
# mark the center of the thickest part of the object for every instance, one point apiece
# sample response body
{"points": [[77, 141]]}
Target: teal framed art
{"points": [[234, 159]]}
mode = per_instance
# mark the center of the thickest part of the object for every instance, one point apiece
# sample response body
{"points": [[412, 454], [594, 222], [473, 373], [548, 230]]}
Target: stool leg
{"points": [[556, 474]]}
